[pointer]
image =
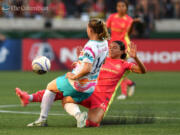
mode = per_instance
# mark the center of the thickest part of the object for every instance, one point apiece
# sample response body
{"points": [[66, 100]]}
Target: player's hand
{"points": [[78, 51], [133, 49], [70, 76], [74, 64]]}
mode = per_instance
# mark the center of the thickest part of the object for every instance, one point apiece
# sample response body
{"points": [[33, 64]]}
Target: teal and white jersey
{"points": [[93, 52]]}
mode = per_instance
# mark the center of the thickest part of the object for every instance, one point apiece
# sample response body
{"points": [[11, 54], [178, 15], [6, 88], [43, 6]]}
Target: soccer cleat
{"points": [[81, 119], [122, 97], [131, 90], [38, 123], [23, 96]]}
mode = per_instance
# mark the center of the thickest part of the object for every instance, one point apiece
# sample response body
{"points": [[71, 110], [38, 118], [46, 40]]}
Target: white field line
{"points": [[114, 110], [16, 105], [111, 116], [140, 111], [148, 102], [159, 118], [62, 114], [121, 102], [35, 113]]}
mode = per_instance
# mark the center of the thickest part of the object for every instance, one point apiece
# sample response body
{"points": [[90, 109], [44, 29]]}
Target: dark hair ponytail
{"points": [[122, 48]]}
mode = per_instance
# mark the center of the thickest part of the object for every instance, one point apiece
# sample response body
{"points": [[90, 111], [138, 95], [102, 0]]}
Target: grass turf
{"points": [[153, 110]]}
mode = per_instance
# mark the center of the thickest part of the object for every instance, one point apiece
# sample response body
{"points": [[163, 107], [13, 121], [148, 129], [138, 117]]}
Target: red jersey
{"points": [[110, 73], [119, 27]]}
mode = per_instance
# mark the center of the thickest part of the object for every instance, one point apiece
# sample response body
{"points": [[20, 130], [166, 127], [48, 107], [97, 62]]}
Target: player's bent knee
{"points": [[96, 120], [52, 86], [48, 86], [68, 99], [96, 115]]}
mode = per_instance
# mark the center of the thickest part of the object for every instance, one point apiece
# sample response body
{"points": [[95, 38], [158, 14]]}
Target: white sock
{"points": [[30, 98], [47, 101], [72, 109]]}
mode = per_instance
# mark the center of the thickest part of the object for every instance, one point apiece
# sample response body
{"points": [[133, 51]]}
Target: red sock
{"points": [[129, 82], [124, 84], [37, 97], [124, 87], [59, 96], [91, 124]]}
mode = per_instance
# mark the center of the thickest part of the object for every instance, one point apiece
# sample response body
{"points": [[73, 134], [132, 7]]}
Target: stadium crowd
{"points": [[78, 8], [146, 10]]}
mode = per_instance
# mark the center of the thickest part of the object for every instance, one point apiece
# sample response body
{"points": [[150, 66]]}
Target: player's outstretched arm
{"points": [[85, 70], [135, 20], [139, 68]]}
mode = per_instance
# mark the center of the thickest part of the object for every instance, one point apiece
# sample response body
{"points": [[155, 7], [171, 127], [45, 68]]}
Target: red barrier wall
{"points": [[157, 55]]}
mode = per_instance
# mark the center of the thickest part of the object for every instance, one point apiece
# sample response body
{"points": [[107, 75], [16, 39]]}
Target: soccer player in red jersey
{"points": [[120, 25], [114, 68]]}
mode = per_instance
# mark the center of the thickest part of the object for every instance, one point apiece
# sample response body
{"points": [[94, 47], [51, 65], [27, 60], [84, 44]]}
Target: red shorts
{"points": [[97, 100]]}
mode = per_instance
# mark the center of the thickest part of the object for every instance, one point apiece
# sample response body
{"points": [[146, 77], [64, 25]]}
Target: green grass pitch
{"points": [[153, 110]]}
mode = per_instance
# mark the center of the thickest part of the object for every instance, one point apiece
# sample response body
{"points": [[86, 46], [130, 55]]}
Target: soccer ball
{"points": [[41, 65]]}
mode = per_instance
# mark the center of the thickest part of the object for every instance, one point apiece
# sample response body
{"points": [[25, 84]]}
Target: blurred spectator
{"points": [[98, 9], [138, 28], [99, 6], [1, 12], [76, 8], [142, 28], [110, 6], [169, 9], [17, 8], [177, 8], [36, 8], [57, 9], [147, 10], [131, 8], [4, 8], [71, 8], [83, 6]]}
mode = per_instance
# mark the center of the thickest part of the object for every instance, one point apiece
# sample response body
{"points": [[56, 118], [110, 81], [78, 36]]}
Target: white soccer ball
{"points": [[41, 65]]}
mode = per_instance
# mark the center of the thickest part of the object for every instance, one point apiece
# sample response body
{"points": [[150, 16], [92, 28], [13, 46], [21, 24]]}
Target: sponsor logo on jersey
{"points": [[118, 66]]}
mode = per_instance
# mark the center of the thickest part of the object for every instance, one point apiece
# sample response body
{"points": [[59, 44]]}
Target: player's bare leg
{"points": [[95, 116], [124, 89], [131, 90]]}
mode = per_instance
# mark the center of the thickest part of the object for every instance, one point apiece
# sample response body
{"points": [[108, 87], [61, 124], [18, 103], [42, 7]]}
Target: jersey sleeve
{"points": [[130, 21], [128, 65], [89, 53], [108, 22]]}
